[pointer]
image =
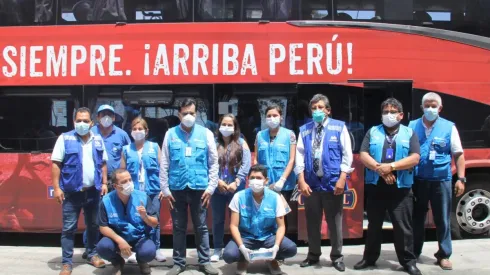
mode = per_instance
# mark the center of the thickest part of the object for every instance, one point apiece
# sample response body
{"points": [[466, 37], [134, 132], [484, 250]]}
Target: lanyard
{"points": [[390, 140]]}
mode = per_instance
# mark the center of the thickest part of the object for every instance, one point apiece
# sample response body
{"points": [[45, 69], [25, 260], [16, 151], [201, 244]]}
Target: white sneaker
{"points": [[132, 258], [214, 258], [160, 257]]}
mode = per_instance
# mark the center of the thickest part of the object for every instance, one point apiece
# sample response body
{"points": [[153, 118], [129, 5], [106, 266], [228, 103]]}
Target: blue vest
{"points": [[71, 178], [129, 226], [257, 224], [331, 155], [275, 155], [439, 140], [190, 170], [404, 178], [149, 158]]}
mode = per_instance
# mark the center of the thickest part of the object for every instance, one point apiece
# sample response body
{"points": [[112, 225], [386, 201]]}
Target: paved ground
{"points": [[470, 257]]}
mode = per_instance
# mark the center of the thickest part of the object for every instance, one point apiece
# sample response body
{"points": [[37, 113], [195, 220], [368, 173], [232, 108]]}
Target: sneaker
{"points": [[445, 264], [274, 268], [176, 270], [117, 269], [144, 268], [66, 269], [208, 269], [159, 256], [85, 255], [132, 258], [216, 256], [96, 261], [241, 268]]}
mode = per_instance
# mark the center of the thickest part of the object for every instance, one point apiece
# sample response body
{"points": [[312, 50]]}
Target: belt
{"points": [[84, 189]]}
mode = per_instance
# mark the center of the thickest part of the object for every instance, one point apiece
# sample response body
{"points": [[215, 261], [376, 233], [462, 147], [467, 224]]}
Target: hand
{"points": [[339, 187], [459, 188], [389, 178], [142, 210], [279, 185], [222, 186], [304, 189], [125, 248], [245, 252], [170, 200], [274, 249], [384, 169], [103, 189], [232, 187], [59, 195], [161, 196], [206, 196]]}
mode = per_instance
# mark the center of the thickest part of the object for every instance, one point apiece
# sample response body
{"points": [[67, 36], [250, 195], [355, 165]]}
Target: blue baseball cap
{"points": [[105, 107]]}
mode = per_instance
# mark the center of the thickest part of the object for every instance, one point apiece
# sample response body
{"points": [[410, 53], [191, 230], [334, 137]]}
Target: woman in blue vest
{"points": [[234, 163], [142, 159], [276, 149]]}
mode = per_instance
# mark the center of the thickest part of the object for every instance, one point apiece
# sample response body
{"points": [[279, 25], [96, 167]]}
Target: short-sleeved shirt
{"points": [[88, 165], [235, 207], [114, 143], [103, 221]]}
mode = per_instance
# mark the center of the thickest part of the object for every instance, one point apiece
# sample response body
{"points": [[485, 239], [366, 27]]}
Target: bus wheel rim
{"points": [[473, 212]]}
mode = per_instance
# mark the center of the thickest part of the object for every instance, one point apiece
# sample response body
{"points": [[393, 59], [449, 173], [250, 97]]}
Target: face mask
{"points": [[128, 188], [318, 116], [257, 186], [82, 128], [138, 135], [431, 113], [189, 120], [389, 120], [273, 122], [226, 131], [106, 121]]}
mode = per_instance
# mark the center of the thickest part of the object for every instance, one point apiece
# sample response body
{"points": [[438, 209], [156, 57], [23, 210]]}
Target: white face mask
{"points": [[273, 122], [188, 120], [389, 120], [106, 121], [256, 185], [226, 131], [138, 134], [128, 188]]}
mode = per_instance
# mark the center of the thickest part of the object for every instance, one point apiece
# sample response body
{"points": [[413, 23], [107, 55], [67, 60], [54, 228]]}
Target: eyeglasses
{"points": [[393, 112]]}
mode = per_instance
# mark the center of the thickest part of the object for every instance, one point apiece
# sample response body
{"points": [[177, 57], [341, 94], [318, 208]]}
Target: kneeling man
{"points": [[125, 219], [257, 222]]}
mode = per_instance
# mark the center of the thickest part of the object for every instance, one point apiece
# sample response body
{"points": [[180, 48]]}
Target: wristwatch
{"points": [[463, 179], [393, 167]]}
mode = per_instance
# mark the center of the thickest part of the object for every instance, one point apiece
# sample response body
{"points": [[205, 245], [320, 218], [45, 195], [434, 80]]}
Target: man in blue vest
{"points": [[188, 177], [389, 152], [323, 161], [79, 179], [439, 141], [126, 217], [257, 222]]}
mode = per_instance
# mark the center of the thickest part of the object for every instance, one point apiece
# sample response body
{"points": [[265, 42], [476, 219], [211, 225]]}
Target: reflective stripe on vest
{"points": [[404, 178], [275, 155], [439, 140], [257, 224], [149, 159]]}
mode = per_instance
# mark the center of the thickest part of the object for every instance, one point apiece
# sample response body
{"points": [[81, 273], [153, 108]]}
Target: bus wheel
{"points": [[471, 212]]}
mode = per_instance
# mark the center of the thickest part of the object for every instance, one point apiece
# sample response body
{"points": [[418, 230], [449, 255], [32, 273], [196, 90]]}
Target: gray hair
{"points": [[432, 96], [319, 97], [392, 102]]}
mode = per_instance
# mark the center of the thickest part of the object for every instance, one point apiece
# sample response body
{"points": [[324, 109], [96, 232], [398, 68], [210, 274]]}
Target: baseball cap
{"points": [[105, 107]]}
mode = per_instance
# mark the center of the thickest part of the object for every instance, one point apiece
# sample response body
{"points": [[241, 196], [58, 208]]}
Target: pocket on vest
{"points": [[334, 151], [68, 173], [441, 164]]}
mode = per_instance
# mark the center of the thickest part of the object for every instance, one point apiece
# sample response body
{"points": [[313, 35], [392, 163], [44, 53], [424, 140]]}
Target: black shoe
{"points": [[308, 262], [363, 264], [144, 268], [85, 255], [412, 270], [340, 266]]}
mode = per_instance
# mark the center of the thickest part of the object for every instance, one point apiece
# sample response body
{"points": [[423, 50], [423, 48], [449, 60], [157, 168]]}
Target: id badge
{"points": [[432, 155], [389, 153], [317, 154], [188, 151], [225, 176]]}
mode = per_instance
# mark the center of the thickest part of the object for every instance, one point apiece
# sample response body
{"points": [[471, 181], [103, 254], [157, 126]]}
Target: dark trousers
{"points": [[439, 193], [184, 199], [289, 217], [399, 204], [315, 205], [144, 248], [219, 204], [232, 254]]}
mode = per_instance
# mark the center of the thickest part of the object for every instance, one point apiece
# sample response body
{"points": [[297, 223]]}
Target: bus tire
{"points": [[470, 217]]}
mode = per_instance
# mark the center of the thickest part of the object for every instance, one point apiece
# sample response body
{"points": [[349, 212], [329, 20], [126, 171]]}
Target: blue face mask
{"points": [[318, 116], [82, 128], [431, 114]]}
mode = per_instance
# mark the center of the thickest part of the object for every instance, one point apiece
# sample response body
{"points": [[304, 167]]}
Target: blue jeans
{"points": [[439, 193], [72, 206], [232, 253], [219, 204], [145, 250], [184, 199], [155, 232]]}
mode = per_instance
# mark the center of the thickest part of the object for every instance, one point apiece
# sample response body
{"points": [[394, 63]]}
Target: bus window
{"points": [[217, 10], [22, 13], [272, 10], [33, 118]]}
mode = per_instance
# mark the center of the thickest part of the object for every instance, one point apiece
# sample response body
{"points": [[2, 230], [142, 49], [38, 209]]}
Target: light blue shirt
{"points": [[88, 165]]}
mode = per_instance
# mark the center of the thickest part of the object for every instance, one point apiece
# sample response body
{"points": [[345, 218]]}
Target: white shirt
{"points": [[88, 165], [456, 146], [280, 209], [142, 172], [213, 165], [345, 141]]}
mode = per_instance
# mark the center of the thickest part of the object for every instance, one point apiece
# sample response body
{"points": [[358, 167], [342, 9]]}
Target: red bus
{"points": [[237, 56]]}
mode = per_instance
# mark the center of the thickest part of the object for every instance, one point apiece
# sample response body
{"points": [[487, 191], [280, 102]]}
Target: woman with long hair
{"points": [[234, 165]]}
